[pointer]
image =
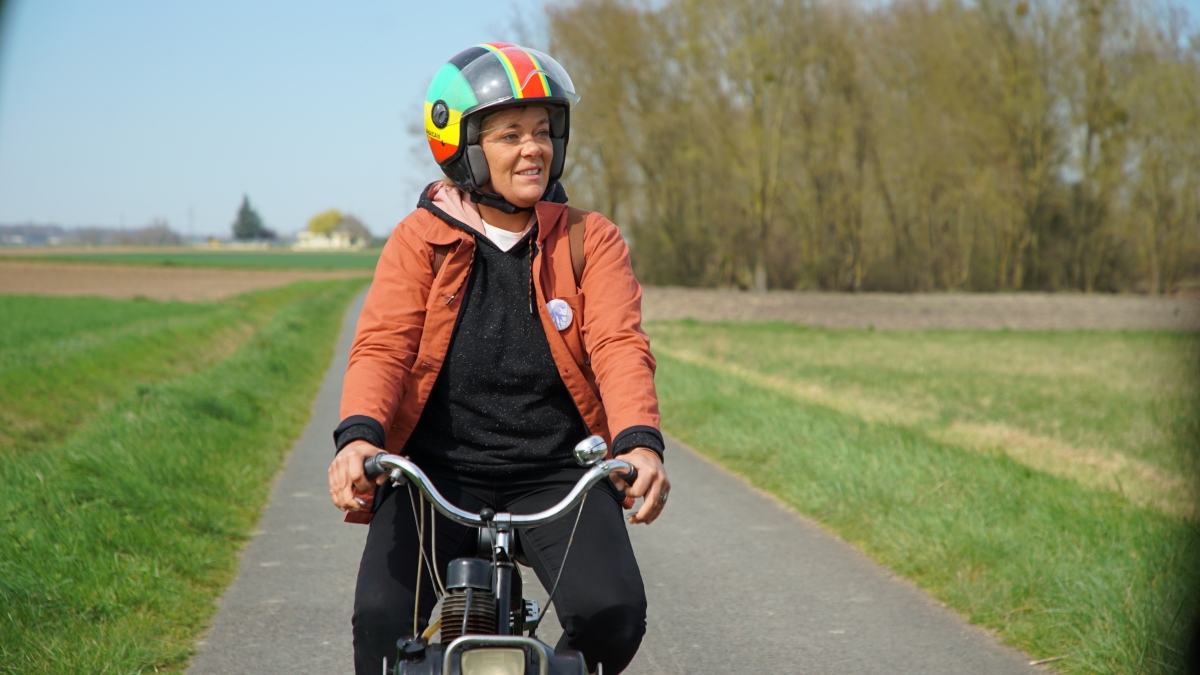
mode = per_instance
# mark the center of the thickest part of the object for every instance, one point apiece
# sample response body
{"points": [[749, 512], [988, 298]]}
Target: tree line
{"points": [[909, 145]]}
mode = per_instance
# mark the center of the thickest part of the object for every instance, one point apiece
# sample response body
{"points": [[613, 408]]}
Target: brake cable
{"points": [[420, 557], [437, 576], [438, 590], [562, 566]]}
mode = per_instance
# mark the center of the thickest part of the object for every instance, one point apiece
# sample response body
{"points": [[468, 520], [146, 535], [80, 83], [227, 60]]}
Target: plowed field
{"points": [[954, 311], [122, 282], [882, 311]]}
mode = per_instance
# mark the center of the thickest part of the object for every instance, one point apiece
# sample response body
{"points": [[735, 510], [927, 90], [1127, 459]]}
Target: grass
{"points": [[64, 360], [928, 450], [116, 538], [1112, 410], [331, 260]]}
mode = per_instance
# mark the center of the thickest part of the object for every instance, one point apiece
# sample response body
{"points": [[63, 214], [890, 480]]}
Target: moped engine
{"points": [[469, 607], [469, 644]]}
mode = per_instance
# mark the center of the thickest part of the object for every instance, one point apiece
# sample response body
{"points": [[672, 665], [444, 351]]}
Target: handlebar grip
{"points": [[631, 477], [372, 467]]}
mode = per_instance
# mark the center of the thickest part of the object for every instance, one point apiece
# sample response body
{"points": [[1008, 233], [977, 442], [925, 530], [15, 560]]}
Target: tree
{"points": [[911, 145], [249, 224], [325, 221]]}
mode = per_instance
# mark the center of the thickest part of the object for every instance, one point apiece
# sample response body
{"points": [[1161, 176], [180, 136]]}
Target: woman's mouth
{"points": [[530, 172]]}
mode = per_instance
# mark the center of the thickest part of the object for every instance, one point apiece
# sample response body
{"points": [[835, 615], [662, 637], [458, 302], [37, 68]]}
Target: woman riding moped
{"points": [[501, 328]]}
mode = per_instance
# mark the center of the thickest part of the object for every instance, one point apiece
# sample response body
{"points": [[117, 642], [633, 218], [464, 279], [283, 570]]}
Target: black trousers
{"points": [[600, 600]]}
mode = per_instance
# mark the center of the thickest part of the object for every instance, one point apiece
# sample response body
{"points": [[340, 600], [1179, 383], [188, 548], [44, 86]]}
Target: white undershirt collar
{"points": [[503, 239]]}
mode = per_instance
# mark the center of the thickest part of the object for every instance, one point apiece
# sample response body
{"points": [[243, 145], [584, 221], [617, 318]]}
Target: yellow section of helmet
{"points": [[449, 134], [442, 141]]}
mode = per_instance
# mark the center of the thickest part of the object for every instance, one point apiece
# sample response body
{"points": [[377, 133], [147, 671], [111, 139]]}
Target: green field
{"points": [[1041, 484], [135, 448], [331, 260]]}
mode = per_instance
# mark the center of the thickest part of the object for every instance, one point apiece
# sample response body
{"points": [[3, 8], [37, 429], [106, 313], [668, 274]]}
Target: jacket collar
{"points": [[442, 236], [548, 214], [548, 211]]}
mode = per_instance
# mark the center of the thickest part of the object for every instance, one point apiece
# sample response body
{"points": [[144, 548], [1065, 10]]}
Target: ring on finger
{"points": [[662, 498]]}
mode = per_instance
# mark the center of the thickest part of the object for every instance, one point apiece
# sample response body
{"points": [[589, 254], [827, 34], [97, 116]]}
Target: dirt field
{"points": [[123, 282], [886, 311], [883, 311]]}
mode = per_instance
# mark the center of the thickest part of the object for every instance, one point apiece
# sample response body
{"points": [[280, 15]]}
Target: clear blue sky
{"points": [[120, 111], [127, 110]]}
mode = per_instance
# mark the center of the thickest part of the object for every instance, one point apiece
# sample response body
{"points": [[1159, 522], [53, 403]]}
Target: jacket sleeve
{"points": [[389, 329], [612, 334]]}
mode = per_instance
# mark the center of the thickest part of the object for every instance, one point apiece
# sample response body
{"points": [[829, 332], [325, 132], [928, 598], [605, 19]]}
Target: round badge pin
{"points": [[560, 313]]}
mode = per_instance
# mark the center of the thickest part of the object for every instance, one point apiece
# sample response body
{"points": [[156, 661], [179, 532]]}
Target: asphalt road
{"points": [[736, 584]]}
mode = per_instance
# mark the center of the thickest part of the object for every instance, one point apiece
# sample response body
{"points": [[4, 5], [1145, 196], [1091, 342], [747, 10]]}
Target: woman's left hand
{"points": [[651, 484]]}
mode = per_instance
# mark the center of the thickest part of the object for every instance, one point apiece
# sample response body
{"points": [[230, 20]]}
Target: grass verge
{"points": [[115, 541], [65, 360], [1057, 566]]}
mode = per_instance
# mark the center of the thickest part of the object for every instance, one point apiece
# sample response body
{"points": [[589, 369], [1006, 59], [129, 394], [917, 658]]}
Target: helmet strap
{"points": [[495, 201]]}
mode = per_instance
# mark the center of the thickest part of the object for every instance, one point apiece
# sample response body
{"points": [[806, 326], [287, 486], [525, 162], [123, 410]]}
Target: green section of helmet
{"points": [[449, 86]]}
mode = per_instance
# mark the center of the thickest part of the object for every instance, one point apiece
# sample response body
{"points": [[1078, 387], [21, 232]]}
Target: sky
{"points": [[115, 113]]}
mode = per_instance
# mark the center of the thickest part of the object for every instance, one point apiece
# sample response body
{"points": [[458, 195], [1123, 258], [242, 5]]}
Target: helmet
{"points": [[481, 79]]}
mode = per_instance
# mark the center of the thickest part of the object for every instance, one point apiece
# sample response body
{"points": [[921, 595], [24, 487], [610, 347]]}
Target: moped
{"points": [[486, 626]]}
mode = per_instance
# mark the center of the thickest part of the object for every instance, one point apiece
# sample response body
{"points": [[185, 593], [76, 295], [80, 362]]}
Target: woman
{"points": [[490, 343]]}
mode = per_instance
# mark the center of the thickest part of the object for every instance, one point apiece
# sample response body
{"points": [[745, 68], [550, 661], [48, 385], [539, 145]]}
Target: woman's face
{"points": [[517, 146]]}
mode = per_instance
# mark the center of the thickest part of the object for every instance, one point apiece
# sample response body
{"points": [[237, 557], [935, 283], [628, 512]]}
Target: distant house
{"points": [[333, 231], [334, 241]]}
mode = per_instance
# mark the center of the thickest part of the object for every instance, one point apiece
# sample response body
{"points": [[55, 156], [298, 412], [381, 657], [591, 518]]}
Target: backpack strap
{"points": [[440, 251], [576, 228]]}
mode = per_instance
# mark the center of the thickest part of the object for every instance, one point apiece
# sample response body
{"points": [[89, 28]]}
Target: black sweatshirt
{"points": [[498, 405]]}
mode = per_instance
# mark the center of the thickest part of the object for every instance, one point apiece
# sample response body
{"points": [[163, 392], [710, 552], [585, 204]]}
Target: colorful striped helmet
{"points": [[484, 78]]}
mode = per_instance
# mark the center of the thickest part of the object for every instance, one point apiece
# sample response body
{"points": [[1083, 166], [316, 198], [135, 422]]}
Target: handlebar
{"points": [[385, 463]]}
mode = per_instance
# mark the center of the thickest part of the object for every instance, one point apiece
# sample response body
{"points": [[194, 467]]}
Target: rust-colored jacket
{"points": [[405, 327]]}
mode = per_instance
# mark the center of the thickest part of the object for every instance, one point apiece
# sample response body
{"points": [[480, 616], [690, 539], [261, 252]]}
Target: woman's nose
{"points": [[530, 148]]}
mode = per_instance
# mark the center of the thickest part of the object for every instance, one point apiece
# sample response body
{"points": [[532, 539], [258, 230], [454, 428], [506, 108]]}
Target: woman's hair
{"points": [[485, 123]]}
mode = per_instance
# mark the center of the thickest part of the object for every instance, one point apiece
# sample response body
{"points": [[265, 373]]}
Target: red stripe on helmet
{"points": [[442, 151], [524, 69]]}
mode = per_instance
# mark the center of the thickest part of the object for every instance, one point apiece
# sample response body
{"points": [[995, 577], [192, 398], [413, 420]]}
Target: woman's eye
{"points": [[543, 133]]}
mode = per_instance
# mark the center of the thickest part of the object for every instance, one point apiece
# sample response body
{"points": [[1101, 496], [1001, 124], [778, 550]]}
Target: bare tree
{"points": [[909, 145]]}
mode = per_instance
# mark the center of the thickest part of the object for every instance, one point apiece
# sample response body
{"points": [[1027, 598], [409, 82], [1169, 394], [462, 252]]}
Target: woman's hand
{"points": [[651, 484], [346, 474]]}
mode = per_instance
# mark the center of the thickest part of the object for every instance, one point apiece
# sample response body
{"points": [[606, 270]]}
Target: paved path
{"points": [[737, 584], [289, 609]]}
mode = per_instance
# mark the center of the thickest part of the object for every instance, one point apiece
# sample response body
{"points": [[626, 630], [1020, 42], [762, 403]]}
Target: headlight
{"points": [[493, 662]]}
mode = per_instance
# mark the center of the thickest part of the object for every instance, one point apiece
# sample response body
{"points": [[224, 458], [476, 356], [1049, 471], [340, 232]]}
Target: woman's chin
{"points": [[527, 197]]}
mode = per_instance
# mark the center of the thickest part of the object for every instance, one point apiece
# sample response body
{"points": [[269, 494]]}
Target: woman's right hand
{"points": [[346, 475]]}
